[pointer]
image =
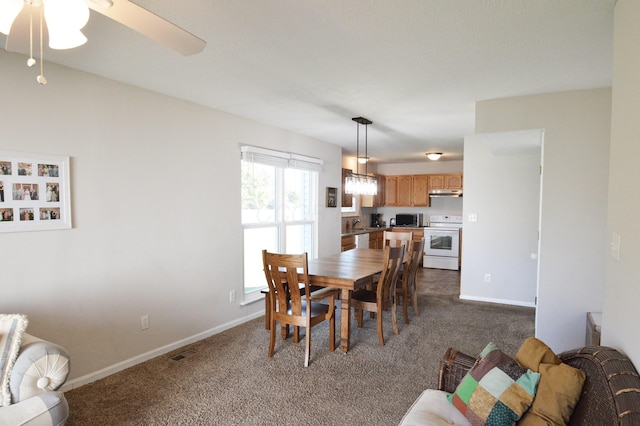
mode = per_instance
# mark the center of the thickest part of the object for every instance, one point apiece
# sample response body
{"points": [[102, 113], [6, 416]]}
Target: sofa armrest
{"points": [[40, 367], [453, 367], [46, 409]]}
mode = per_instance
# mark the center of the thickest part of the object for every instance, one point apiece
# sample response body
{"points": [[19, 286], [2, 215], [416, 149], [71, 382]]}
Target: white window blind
{"points": [[280, 159]]}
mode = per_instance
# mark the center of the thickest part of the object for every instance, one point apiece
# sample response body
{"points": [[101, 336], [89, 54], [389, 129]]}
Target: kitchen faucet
{"points": [[354, 222]]}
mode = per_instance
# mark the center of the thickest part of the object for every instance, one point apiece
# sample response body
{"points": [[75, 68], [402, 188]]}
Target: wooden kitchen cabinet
{"points": [[391, 191], [405, 190], [347, 199], [416, 233], [348, 242], [413, 190], [376, 239], [447, 181], [421, 190]]}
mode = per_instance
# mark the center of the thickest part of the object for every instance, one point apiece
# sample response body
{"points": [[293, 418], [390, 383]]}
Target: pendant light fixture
{"points": [[356, 183]]}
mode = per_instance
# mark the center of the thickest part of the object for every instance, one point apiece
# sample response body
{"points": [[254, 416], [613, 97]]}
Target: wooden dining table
{"points": [[347, 271]]}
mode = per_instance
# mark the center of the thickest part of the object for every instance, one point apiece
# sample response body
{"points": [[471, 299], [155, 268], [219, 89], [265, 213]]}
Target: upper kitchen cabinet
{"points": [[405, 190], [421, 190], [347, 199], [448, 181], [399, 190], [391, 191]]}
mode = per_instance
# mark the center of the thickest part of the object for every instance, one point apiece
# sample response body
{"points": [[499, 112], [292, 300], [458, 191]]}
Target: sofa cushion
{"points": [[12, 326], [496, 391], [432, 409], [559, 388]]}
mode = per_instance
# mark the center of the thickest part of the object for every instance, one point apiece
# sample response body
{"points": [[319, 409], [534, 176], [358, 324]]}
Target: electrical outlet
{"points": [[487, 278], [232, 296], [144, 322]]}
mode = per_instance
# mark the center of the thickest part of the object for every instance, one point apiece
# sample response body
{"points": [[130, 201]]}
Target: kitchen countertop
{"points": [[358, 231]]}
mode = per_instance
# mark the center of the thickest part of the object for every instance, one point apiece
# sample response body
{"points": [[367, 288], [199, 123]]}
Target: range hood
{"points": [[445, 193]]}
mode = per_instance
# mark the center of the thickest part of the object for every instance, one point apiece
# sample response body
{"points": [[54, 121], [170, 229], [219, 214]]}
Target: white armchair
{"points": [[41, 368]]}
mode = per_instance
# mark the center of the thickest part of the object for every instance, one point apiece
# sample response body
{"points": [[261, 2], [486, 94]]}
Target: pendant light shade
{"points": [[356, 183]]}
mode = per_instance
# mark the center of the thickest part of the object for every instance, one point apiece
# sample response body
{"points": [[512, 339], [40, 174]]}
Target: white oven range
{"points": [[442, 242]]}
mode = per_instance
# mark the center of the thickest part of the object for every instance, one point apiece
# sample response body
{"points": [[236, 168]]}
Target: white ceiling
{"points": [[413, 67]]}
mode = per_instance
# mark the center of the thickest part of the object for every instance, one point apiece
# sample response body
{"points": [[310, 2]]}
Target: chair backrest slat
{"points": [[393, 258]]}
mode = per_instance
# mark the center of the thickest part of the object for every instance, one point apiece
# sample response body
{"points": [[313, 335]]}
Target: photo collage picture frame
{"points": [[34, 192]]}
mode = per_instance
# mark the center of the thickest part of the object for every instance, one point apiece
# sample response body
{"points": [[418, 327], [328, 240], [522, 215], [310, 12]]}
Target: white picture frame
{"points": [[34, 192]]}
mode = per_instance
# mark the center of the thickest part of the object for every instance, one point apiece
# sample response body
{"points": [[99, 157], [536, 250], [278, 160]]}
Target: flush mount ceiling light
{"points": [[62, 21], [356, 183], [434, 156]]}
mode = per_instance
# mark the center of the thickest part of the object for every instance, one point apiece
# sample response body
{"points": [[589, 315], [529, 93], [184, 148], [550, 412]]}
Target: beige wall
{"points": [[155, 186], [574, 202], [621, 315]]}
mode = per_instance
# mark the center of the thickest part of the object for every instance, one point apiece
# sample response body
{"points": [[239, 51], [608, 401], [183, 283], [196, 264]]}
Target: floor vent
{"points": [[182, 355]]}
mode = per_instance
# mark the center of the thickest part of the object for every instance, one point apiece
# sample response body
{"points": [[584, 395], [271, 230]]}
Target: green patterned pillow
{"points": [[496, 391]]}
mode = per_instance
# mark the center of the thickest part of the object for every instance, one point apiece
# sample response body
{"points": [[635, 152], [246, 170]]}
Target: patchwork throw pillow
{"points": [[560, 385], [12, 326], [496, 391]]}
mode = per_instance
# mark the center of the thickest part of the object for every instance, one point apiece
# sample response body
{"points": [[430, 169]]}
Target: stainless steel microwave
{"points": [[409, 219]]}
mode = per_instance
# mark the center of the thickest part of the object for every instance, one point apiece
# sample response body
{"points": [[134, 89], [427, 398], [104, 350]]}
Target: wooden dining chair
{"points": [[406, 283], [395, 238], [292, 306], [384, 296]]}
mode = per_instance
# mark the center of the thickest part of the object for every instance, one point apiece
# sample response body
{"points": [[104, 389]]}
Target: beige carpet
{"points": [[228, 379], [438, 282]]}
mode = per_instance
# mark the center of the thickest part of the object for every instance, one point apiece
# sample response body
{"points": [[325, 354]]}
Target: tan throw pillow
{"points": [[559, 388]]}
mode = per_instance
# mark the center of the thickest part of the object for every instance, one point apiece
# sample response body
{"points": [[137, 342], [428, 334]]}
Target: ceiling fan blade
{"points": [[151, 25]]}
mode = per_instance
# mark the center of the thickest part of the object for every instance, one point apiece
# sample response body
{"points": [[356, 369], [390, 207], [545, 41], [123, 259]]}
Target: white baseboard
{"points": [[100, 374], [498, 301]]}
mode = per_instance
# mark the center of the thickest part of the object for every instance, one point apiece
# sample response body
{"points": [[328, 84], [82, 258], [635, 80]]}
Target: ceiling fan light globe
{"points": [[65, 19], [9, 9], [66, 39]]}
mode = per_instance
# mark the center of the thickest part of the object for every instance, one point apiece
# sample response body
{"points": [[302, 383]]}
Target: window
{"points": [[279, 208]]}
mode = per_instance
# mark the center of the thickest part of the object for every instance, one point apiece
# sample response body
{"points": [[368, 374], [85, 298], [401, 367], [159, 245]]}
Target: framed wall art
{"points": [[34, 192], [332, 197]]}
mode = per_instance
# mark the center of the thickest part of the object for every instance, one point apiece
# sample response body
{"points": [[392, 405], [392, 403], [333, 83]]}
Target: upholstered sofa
{"points": [[40, 369], [610, 394]]}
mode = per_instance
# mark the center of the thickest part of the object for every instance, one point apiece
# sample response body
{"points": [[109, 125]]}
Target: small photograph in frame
{"points": [[26, 214], [5, 167], [332, 197], [6, 215], [24, 169], [50, 214], [53, 192], [1, 191], [50, 170], [25, 191]]}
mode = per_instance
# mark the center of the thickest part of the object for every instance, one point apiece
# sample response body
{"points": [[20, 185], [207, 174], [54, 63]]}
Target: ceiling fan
{"points": [[62, 20]]}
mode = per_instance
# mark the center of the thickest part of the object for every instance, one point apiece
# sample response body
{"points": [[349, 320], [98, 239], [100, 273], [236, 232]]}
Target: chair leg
{"points": [[380, 332], [394, 320], [307, 344], [267, 310], [358, 315], [332, 333], [414, 296], [296, 334], [405, 304], [272, 338]]}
